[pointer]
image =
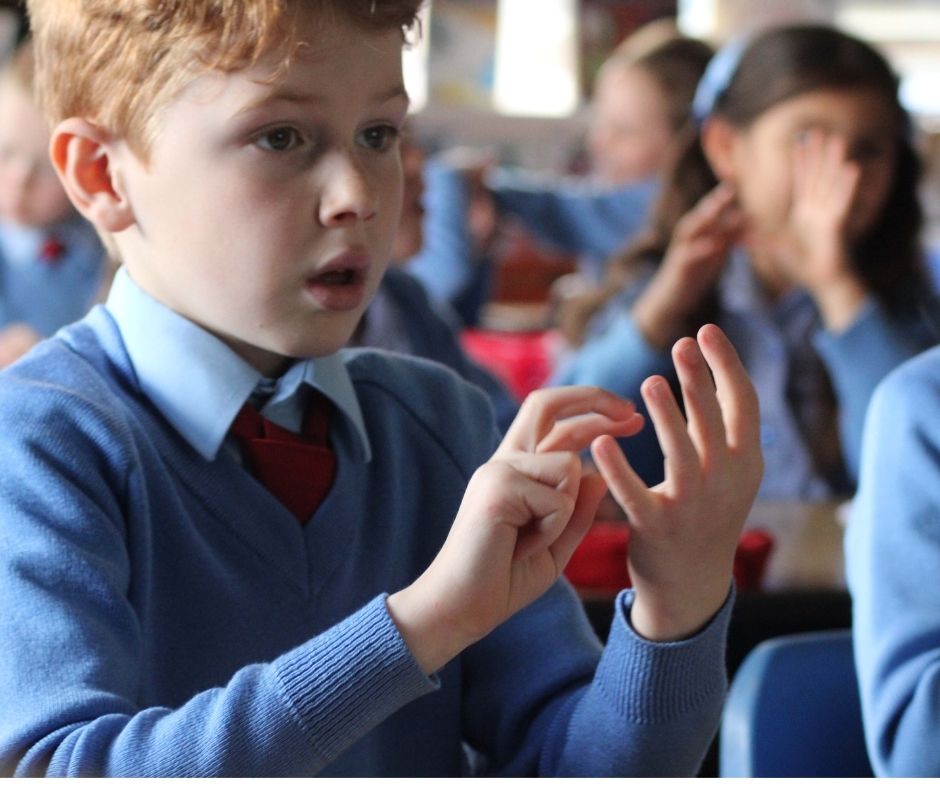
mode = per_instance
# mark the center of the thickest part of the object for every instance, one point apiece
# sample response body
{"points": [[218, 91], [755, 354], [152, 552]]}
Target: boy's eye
{"points": [[279, 140], [379, 138]]}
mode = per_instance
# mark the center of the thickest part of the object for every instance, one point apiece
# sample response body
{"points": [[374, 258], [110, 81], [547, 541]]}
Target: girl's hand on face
{"points": [[684, 531], [825, 183], [695, 259], [813, 250], [520, 520]]}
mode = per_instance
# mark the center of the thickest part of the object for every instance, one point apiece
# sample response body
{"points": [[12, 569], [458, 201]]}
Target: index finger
{"points": [[544, 408]]}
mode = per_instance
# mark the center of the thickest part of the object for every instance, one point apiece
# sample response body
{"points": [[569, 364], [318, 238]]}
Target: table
{"points": [[807, 551]]}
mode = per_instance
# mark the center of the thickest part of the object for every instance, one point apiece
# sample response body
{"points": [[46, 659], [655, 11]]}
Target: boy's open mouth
{"points": [[339, 289], [346, 276]]}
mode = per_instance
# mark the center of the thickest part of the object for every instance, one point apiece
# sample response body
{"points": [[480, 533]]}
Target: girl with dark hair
{"points": [[642, 100], [791, 218]]}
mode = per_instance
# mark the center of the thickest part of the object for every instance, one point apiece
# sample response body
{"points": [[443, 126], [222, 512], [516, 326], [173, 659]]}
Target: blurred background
{"points": [[516, 74], [511, 80], [513, 77]]}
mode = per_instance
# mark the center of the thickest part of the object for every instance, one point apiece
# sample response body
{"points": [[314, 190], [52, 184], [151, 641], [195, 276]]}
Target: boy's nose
{"points": [[348, 195]]}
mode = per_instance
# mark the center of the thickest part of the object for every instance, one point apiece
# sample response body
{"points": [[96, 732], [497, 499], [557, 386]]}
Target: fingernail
{"points": [[657, 389]]}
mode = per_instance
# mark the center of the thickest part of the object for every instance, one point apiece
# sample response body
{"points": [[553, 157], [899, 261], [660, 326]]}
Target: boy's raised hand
{"points": [[684, 531], [521, 518]]}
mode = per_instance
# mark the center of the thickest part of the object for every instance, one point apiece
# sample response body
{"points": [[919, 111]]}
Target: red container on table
{"points": [[600, 562]]}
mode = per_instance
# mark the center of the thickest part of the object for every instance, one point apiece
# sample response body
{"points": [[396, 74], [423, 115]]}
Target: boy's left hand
{"points": [[684, 531]]}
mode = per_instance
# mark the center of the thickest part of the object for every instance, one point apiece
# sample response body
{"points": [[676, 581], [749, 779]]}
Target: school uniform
{"points": [[892, 550], [163, 614], [49, 277], [787, 352]]}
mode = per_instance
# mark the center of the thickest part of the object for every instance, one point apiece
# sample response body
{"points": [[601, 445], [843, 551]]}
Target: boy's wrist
{"points": [[659, 620], [430, 639]]}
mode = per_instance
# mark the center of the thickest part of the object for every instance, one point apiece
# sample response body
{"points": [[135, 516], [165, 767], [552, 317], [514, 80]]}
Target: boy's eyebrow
{"points": [[304, 97]]}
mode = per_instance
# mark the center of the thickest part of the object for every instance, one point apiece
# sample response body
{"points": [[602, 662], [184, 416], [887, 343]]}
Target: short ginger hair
{"points": [[118, 63]]}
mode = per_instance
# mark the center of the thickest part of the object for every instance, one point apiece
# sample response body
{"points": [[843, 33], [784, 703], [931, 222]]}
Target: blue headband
{"points": [[717, 77]]}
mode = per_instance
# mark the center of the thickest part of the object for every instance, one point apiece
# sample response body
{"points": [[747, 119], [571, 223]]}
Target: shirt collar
{"points": [[199, 383]]}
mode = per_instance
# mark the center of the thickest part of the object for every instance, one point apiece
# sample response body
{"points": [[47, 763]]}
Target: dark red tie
{"points": [[298, 470]]}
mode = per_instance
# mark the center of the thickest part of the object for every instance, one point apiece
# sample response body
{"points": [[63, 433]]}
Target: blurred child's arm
{"points": [[451, 263], [693, 263], [685, 530], [571, 214], [523, 514]]}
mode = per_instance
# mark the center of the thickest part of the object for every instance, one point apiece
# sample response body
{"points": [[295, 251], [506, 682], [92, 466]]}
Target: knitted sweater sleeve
{"points": [[574, 217], [859, 357], [74, 658], [893, 562], [642, 709]]}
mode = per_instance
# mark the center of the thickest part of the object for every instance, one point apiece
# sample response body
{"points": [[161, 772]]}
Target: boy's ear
{"points": [[718, 142], [82, 155]]}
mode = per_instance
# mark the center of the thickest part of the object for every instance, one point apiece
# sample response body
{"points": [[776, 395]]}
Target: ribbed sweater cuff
{"points": [[343, 683], [678, 677]]}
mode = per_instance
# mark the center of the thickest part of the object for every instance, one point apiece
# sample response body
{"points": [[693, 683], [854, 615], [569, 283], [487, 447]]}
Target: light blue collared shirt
{"points": [[199, 383]]}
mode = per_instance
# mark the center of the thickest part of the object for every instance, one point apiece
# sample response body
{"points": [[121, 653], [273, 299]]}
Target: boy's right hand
{"points": [[521, 518], [694, 260]]}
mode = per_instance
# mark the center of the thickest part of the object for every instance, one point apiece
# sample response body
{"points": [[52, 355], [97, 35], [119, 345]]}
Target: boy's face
{"points": [[30, 192], [266, 212]]}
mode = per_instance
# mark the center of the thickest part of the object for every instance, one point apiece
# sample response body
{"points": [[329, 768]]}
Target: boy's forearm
{"points": [[432, 640]]}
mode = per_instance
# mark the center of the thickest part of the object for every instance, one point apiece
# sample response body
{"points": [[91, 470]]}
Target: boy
{"points": [[51, 261], [163, 613]]}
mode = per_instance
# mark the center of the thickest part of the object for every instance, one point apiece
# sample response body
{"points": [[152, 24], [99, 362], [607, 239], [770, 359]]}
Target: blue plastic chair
{"points": [[793, 711]]}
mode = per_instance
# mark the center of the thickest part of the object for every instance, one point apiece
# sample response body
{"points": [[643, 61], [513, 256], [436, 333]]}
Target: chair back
{"points": [[793, 710]]}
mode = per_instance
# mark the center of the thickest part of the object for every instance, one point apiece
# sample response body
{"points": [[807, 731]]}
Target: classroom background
{"points": [[480, 79]]}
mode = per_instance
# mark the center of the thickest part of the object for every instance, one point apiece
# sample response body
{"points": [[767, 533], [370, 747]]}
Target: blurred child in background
{"points": [[792, 219], [401, 316], [51, 261], [892, 550], [642, 99]]}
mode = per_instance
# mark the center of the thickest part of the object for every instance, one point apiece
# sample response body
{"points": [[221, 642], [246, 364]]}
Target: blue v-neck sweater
{"points": [[161, 614]]}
